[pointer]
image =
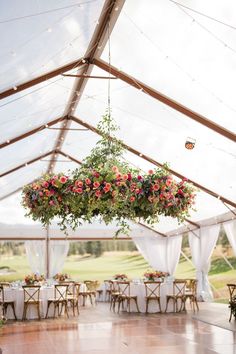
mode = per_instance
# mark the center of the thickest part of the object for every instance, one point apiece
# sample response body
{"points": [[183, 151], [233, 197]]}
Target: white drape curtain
{"points": [[202, 243], [35, 251], [230, 229], [162, 253], [57, 254], [36, 254]]}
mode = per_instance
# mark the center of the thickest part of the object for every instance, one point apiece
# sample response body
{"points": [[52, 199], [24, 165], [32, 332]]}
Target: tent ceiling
{"points": [[191, 62]]}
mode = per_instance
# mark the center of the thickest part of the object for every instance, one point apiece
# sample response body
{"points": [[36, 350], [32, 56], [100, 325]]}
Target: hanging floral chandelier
{"points": [[108, 188]]}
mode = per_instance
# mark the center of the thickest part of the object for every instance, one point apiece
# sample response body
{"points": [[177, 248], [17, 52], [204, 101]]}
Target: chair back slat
{"points": [[31, 293], [232, 291], [152, 288], [61, 291], [124, 288], [179, 287]]}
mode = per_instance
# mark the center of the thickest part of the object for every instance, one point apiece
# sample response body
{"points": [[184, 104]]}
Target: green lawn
{"points": [[131, 264]]}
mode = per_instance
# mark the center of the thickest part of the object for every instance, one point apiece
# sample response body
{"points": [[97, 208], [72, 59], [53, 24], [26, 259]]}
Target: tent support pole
{"points": [[47, 252]]}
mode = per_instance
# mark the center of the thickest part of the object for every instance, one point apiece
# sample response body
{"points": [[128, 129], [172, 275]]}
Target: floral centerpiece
{"points": [[61, 277], [120, 277], [31, 279], [107, 187], [153, 275]]}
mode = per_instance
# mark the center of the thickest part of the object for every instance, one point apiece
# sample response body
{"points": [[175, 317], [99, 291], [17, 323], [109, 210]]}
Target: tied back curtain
{"points": [[202, 244], [230, 229], [162, 253], [35, 252], [57, 254]]}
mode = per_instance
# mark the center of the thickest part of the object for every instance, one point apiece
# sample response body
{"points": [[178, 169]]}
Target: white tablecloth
{"points": [[138, 289], [17, 295]]}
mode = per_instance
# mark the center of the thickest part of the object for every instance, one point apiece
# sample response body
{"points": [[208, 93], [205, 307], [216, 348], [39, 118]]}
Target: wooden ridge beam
{"points": [[164, 99], [158, 164], [31, 132], [109, 14], [49, 75]]}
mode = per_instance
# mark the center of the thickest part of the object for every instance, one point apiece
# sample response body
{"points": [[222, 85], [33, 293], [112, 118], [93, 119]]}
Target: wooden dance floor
{"points": [[99, 331]]}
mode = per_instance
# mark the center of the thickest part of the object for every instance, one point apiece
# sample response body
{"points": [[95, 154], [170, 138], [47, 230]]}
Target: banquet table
{"points": [[138, 289], [17, 295]]}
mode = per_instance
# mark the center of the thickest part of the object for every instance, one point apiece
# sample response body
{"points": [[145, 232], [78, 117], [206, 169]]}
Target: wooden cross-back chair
{"points": [[232, 299], [31, 298], [5, 304], [125, 295], [191, 293], [114, 294], [178, 295], [152, 290], [92, 286], [73, 299], [60, 299]]}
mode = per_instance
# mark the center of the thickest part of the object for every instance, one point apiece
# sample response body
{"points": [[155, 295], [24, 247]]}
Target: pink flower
{"points": [[115, 169], [137, 190], [96, 185], [150, 172], [168, 182], [41, 194], [79, 190], [108, 185], [45, 184], [140, 178], [125, 177], [96, 174], [51, 202], [63, 179], [118, 176], [132, 199], [78, 183], [48, 193], [54, 182], [98, 194], [156, 187], [129, 176], [88, 181]]}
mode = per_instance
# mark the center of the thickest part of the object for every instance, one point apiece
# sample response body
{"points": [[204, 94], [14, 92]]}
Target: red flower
{"points": [[63, 179], [88, 181], [129, 176], [40, 194], [96, 174], [96, 185], [150, 172], [118, 176], [132, 199], [140, 178], [125, 177]]}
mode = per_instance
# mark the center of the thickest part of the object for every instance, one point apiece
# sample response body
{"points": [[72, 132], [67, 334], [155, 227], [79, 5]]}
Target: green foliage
{"points": [[107, 188]]}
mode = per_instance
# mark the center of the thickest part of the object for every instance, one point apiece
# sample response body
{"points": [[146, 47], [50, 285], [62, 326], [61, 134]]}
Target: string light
{"points": [[49, 30], [14, 88]]}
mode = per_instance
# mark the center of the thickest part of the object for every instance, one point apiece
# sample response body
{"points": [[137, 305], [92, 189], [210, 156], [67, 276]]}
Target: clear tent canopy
{"points": [[175, 67]]}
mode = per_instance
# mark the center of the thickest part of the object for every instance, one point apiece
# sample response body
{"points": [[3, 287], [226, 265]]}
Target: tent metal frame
{"points": [[109, 15]]}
